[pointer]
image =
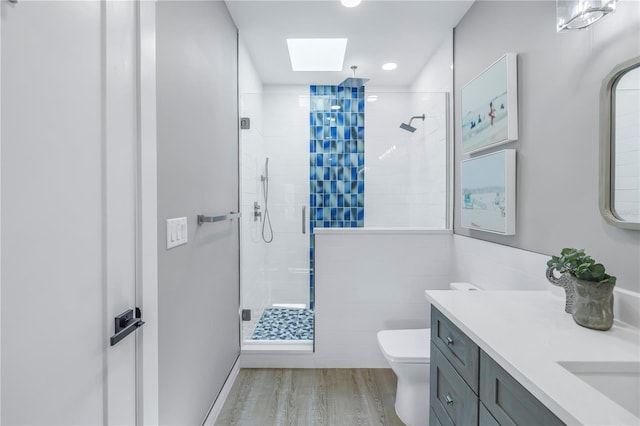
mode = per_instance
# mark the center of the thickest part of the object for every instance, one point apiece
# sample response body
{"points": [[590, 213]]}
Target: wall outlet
{"points": [[177, 233]]}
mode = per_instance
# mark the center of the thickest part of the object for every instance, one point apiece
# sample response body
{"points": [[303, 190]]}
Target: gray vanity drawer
{"points": [[459, 349], [485, 418], [433, 419], [452, 400], [507, 400]]}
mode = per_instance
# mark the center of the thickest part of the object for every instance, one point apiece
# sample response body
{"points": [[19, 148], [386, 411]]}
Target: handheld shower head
{"points": [[265, 176], [409, 127]]}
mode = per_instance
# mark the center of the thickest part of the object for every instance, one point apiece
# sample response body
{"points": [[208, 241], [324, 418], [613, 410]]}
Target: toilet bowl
{"points": [[409, 354]]}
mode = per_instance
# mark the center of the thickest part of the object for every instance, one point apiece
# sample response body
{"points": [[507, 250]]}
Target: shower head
{"points": [[353, 81], [409, 127]]}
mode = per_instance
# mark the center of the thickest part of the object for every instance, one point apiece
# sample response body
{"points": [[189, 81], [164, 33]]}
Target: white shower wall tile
{"points": [[401, 166], [284, 193], [497, 267], [251, 232], [369, 355], [285, 162], [397, 316], [286, 219], [380, 288], [281, 264]]}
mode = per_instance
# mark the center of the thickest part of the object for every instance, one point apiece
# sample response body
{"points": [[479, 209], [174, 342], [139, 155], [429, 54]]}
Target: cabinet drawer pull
{"points": [[448, 399], [449, 341]]}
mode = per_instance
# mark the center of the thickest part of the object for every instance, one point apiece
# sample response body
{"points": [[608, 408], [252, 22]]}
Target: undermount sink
{"points": [[618, 381]]}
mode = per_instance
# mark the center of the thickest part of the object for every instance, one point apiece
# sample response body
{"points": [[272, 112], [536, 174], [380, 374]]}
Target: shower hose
{"points": [[265, 218]]}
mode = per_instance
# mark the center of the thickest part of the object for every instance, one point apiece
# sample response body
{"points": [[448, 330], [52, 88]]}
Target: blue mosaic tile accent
{"points": [[336, 166], [284, 324], [336, 123]]}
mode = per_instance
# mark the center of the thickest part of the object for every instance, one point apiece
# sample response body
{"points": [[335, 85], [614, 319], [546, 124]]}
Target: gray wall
{"points": [[197, 173], [559, 79]]}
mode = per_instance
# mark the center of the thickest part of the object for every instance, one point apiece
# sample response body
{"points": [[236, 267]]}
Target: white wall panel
{"points": [[406, 173]]}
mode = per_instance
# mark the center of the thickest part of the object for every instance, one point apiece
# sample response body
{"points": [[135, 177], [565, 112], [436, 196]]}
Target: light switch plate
{"points": [[177, 233]]}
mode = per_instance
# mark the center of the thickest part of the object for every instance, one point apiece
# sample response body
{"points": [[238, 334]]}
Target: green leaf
{"points": [[597, 271], [577, 263]]}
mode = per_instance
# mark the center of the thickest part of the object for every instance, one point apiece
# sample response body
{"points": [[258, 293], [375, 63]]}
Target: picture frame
{"points": [[489, 106], [488, 192]]}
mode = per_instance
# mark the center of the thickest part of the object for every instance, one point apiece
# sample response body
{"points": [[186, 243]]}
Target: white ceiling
{"points": [[379, 31]]}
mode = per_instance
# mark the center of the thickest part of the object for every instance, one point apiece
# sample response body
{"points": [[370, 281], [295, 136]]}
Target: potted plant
{"points": [[592, 287]]}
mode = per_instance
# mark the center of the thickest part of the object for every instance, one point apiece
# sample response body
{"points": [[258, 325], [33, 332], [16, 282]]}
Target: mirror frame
{"points": [[607, 143]]}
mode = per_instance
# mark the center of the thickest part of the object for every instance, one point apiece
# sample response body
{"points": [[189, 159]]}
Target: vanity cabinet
{"points": [[453, 401], [467, 387], [457, 347], [507, 400], [454, 374]]}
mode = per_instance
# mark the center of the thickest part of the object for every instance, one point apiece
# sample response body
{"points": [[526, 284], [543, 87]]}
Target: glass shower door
{"points": [[275, 279]]}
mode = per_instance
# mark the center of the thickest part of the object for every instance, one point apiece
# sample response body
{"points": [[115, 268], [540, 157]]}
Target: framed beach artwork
{"points": [[489, 106], [488, 189]]}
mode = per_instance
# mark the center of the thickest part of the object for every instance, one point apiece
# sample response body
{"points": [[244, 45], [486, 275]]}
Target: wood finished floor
{"points": [[310, 397]]}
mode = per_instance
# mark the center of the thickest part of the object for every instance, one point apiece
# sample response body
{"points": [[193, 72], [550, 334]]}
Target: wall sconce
{"points": [[579, 14]]}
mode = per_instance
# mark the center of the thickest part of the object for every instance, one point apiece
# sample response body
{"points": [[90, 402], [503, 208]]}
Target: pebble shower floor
{"points": [[284, 324]]}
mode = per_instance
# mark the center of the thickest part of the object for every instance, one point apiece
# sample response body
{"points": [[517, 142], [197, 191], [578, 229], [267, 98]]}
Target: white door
{"points": [[69, 132]]}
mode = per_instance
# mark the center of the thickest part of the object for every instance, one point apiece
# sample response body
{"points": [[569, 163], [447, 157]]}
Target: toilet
{"points": [[409, 353]]}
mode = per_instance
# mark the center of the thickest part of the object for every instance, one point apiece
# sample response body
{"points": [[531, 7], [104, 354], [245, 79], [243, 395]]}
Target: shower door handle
{"points": [[304, 219]]}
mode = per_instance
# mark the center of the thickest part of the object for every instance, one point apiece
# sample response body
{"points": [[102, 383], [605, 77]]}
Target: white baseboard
{"points": [[216, 409]]}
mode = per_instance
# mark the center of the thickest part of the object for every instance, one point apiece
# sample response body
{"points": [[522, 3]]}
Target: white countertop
{"points": [[528, 333]]}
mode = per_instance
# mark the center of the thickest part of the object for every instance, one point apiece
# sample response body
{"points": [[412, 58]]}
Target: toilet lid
{"points": [[408, 346]]}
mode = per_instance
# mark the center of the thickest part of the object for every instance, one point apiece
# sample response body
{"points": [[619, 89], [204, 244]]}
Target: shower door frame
{"points": [[285, 216]]}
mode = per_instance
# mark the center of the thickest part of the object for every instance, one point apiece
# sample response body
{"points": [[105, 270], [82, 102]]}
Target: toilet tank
{"points": [[461, 286]]}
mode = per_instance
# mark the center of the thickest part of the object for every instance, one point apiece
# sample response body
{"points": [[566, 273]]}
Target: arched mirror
{"points": [[620, 146]]}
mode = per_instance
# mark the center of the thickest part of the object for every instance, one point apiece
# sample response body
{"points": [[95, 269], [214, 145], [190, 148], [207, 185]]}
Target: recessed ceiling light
{"points": [[350, 3], [335, 107], [317, 54], [389, 66], [372, 98]]}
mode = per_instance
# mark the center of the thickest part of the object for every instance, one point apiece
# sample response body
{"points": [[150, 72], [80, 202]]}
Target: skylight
{"points": [[317, 54]]}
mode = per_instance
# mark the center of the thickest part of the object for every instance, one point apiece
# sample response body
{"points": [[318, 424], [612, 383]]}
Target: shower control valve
{"points": [[256, 211]]}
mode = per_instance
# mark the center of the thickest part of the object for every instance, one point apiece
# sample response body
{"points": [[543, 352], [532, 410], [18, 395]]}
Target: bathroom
{"points": [[559, 81]]}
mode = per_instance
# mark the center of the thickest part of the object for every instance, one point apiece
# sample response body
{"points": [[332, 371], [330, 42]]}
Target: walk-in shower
{"points": [[319, 162], [409, 127]]}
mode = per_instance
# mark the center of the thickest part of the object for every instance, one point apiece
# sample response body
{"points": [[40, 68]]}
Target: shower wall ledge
{"points": [[361, 231]]}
